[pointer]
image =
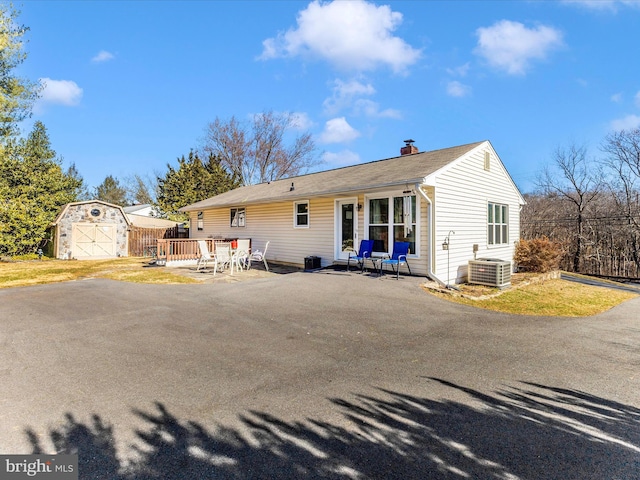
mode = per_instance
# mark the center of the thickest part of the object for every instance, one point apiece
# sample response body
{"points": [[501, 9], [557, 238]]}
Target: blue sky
{"points": [[131, 85]]}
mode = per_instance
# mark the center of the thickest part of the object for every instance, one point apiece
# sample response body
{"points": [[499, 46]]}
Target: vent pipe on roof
{"points": [[409, 148]]}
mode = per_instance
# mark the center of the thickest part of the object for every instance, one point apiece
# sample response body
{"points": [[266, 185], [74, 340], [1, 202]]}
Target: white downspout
{"points": [[432, 233]]}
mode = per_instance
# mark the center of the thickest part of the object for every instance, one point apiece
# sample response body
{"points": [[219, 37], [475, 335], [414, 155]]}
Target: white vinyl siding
{"points": [[272, 222], [462, 194]]}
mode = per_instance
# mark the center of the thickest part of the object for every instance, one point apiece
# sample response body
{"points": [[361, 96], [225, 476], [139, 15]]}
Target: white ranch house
{"points": [[464, 189]]}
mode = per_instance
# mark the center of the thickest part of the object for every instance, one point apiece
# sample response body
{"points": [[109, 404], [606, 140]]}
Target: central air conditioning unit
{"points": [[490, 271]]}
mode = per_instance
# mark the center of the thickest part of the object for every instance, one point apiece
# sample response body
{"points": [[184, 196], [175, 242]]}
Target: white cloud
{"points": [[338, 130], [457, 89], [460, 71], [611, 5], [347, 95], [60, 92], [344, 94], [351, 35], [511, 46], [340, 159], [353, 88], [301, 121], [636, 99], [371, 109], [103, 56], [629, 122]]}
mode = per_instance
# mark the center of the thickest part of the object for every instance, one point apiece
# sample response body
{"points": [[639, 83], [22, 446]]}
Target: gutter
{"points": [[432, 231]]}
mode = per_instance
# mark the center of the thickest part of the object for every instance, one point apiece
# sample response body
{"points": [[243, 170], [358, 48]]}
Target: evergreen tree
{"points": [[111, 191], [81, 193], [191, 182], [33, 185], [16, 94], [33, 188]]}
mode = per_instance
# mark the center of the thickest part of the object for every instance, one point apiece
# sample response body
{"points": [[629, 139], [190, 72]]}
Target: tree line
{"points": [[590, 206], [232, 153], [34, 185]]}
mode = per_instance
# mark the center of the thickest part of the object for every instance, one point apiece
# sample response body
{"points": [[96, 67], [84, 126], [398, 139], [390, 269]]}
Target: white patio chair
{"points": [[222, 257], [259, 256], [205, 255], [242, 253]]}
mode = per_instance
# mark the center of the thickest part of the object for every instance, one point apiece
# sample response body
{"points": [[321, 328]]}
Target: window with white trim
{"points": [[386, 220], [237, 217], [301, 214], [497, 224], [200, 221]]}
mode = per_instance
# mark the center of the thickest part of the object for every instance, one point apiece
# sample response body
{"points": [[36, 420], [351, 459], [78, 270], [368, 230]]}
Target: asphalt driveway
{"points": [[314, 375]]}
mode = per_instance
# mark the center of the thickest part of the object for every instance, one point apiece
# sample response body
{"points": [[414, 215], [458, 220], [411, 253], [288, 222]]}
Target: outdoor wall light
{"points": [[359, 206]]}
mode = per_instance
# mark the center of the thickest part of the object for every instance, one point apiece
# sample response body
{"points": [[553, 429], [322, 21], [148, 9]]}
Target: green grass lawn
{"points": [[130, 269], [554, 297]]}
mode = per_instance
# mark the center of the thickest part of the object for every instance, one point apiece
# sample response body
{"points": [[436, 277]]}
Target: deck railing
{"points": [[181, 251]]}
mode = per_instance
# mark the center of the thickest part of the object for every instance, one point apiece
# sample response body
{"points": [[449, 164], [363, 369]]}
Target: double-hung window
{"points": [[301, 214], [387, 222], [237, 217], [497, 224]]}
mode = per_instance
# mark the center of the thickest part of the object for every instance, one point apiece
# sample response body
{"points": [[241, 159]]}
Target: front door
{"points": [[347, 227]]}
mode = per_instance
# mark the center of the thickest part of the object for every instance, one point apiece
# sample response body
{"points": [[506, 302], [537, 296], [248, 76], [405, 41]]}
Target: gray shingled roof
{"points": [[393, 171]]}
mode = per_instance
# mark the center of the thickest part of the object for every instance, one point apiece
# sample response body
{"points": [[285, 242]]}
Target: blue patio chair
{"points": [[398, 257], [366, 247]]}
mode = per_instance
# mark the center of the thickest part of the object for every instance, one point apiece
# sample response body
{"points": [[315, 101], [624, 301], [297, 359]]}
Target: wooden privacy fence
{"points": [[143, 240]]}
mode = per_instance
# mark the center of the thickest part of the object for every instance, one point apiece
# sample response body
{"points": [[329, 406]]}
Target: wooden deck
{"points": [[175, 252]]}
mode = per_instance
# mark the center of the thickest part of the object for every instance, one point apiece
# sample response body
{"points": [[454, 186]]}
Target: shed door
{"points": [[94, 240]]}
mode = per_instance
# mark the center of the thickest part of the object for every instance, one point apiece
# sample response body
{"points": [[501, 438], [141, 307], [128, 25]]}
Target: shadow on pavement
{"points": [[529, 432]]}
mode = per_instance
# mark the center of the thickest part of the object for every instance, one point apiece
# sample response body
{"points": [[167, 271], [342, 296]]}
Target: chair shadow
{"points": [[531, 431]]}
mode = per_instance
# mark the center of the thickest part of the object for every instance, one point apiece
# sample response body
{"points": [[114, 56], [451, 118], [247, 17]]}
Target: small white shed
{"points": [[91, 229]]}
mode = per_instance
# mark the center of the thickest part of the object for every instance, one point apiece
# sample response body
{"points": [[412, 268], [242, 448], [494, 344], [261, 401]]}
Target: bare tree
{"points": [[257, 151], [575, 180], [623, 160], [141, 190]]}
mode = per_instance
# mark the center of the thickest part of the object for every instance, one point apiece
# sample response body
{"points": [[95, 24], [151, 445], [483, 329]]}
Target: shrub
{"points": [[538, 255]]}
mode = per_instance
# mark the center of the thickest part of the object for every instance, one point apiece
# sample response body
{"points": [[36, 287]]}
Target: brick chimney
{"points": [[409, 148]]}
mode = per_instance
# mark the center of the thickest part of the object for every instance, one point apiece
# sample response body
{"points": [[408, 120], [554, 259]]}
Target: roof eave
{"points": [[283, 198]]}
